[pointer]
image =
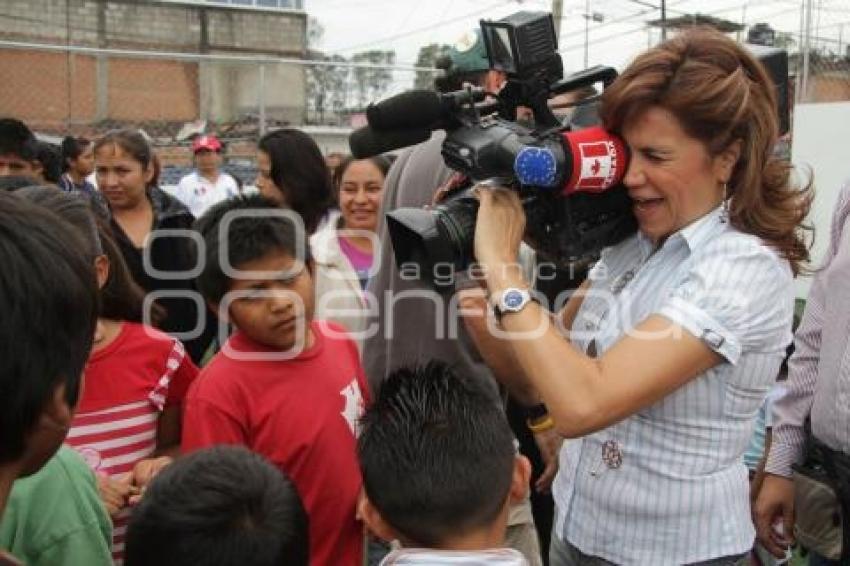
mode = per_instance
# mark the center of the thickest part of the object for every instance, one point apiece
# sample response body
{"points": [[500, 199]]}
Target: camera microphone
{"points": [[366, 142], [417, 109], [409, 110]]}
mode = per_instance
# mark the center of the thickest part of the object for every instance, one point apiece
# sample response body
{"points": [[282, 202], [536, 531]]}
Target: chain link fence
{"points": [[820, 52], [64, 88], [59, 90]]}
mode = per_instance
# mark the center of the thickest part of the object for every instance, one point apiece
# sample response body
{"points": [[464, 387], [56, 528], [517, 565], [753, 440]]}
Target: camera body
{"points": [[571, 214]]}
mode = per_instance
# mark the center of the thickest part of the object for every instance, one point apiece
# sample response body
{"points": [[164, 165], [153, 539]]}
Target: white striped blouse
{"points": [[668, 484]]}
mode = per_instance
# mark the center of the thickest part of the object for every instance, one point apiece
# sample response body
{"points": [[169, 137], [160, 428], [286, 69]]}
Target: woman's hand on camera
{"points": [[499, 227]]}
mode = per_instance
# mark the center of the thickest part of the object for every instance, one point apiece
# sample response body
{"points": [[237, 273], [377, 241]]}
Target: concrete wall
{"points": [[817, 148], [46, 87], [149, 24]]}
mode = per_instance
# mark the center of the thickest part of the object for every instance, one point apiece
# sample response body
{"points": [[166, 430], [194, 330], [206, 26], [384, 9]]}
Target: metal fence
{"points": [[58, 89], [61, 89], [820, 52]]}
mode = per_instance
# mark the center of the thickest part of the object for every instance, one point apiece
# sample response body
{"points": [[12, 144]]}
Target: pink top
{"points": [[360, 261]]}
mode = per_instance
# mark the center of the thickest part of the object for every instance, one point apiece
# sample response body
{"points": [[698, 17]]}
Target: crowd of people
{"points": [[240, 375]]}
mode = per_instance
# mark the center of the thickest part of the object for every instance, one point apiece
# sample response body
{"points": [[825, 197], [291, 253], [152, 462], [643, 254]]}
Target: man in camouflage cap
{"points": [[466, 62]]}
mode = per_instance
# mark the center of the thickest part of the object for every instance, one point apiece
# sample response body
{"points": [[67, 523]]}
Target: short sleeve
{"points": [[737, 295], [177, 374], [182, 378]]}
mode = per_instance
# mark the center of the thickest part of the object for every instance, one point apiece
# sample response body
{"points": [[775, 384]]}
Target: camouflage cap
{"points": [[468, 54]]}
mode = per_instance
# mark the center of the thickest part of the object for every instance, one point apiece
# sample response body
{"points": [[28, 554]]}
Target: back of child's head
{"points": [[72, 148], [224, 506], [436, 454], [12, 183], [50, 157], [48, 297], [120, 297], [74, 208], [254, 227], [17, 139]]}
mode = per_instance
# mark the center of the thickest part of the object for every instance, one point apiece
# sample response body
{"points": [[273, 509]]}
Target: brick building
{"points": [[58, 90]]}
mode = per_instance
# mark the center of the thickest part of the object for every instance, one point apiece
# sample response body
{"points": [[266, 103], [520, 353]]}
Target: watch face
{"points": [[513, 299]]}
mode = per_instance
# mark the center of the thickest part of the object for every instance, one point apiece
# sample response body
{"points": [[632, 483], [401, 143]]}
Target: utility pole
{"points": [[663, 20], [586, 29], [557, 10], [804, 80], [743, 21]]}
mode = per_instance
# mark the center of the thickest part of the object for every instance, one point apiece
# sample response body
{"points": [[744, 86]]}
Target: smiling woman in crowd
{"points": [[344, 250]]}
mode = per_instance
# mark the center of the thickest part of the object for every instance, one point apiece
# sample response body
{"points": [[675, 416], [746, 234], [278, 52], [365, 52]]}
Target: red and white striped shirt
{"points": [[127, 385]]}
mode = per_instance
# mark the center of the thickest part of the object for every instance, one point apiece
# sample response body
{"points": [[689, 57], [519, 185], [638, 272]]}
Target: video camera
{"points": [[569, 181], [568, 177]]}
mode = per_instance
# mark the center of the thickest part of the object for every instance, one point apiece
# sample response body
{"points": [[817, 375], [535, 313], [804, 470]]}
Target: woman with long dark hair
{"points": [[293, 173]]}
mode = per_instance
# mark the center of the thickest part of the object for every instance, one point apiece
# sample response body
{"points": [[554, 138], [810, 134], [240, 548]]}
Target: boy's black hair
{"points": [[17, 139], [48, 297], [248, 238], [72, 148], [50, 157], [13, 183], [224, 506], [299, 170], [436, 454]]}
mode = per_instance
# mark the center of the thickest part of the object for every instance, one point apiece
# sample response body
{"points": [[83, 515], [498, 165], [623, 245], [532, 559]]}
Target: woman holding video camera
{"points": [[679, 331]]}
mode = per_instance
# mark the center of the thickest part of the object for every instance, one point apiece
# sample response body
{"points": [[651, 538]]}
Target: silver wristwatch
{"points": [[510, 300]]}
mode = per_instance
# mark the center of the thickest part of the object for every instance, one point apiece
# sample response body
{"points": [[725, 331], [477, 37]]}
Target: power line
{"points": [[425, 28], [617, 35]]}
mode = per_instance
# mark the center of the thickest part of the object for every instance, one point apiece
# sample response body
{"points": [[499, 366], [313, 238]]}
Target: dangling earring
{"points": [[724, 205]]}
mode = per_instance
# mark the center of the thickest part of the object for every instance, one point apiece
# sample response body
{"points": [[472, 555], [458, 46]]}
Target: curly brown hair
{"points": [[721, 94]]}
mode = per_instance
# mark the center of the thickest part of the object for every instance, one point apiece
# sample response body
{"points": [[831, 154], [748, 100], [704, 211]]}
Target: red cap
{"points": [[210, 143]]}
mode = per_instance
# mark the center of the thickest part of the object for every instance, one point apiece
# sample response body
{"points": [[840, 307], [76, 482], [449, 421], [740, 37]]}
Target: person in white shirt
{"points": [[207, 184]]}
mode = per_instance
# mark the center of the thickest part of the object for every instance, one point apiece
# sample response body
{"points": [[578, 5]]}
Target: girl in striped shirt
{"points": [[127, 424]]}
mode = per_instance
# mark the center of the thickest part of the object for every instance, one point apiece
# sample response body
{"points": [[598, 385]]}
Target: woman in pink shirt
{"points": [[343, 250]]}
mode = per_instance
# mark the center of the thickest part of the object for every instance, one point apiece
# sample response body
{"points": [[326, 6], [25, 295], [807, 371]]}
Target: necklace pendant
{"points": [[611, 454]]}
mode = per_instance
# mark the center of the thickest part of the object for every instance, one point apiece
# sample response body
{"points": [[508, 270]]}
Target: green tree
{"points": [[428, 57], [370, 83], [326, 84], [326, 87]]}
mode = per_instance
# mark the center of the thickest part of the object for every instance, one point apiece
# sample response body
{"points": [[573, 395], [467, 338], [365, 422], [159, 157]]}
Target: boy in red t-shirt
{"points": [[286, 386]]}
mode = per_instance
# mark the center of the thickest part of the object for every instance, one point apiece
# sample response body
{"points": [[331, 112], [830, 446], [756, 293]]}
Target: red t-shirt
{"points": [[301, 414], [127, 384]]}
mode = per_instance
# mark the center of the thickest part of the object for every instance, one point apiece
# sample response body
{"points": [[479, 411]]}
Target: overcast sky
{"points": [[406, 25]]}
